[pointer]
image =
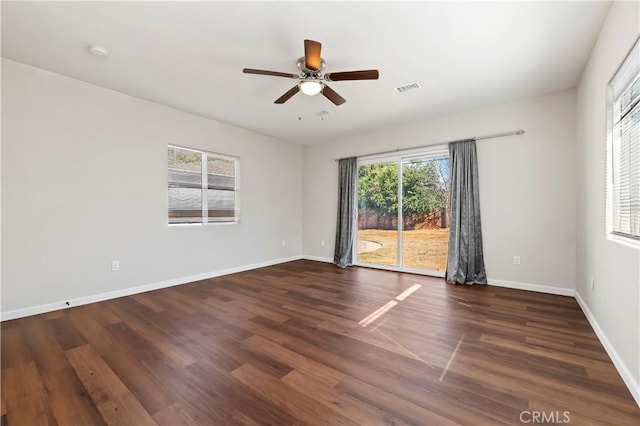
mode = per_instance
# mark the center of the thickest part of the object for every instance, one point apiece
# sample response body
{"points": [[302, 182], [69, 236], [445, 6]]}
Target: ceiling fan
{"points": [[311, 80]]}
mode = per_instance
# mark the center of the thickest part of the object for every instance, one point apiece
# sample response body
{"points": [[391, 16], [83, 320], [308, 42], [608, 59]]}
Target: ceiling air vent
{"points": [[407, 87]]}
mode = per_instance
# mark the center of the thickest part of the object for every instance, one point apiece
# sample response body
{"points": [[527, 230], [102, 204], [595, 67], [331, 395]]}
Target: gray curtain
{"points": [[465, 260], [347, 174]]}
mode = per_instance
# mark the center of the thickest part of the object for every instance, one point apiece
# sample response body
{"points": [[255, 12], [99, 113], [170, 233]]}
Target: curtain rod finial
{"points": [[520, 132]]}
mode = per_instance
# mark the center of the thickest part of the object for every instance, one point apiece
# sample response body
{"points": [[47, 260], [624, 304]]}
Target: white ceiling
{"points": [[190, 55]]}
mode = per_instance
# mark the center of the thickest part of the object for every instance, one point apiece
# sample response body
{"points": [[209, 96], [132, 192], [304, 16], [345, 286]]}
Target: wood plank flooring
{"points": [[288, 344]]}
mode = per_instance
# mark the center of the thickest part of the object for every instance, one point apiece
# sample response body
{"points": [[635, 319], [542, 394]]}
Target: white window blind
{"points": [[202, 187], [625, 147]]}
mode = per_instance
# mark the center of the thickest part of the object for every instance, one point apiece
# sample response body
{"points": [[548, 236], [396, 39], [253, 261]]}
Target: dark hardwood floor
{"points": [[299, 343]]}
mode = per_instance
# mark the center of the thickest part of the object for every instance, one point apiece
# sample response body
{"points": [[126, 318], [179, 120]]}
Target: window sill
{"points": [[194, 225], [628, 242]]}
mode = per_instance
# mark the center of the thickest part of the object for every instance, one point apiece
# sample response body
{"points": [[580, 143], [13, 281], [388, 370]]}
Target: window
{"points": [[623, 148], [203, 187]]}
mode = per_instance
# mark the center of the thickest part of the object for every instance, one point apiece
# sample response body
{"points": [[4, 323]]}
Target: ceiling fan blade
{"points": [[332, 95], [352, 75], [271, 73], [312, 54], [284, 98]]}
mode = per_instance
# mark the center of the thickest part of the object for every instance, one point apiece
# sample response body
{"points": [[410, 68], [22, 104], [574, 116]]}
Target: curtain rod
{"points": [[478, 138]]}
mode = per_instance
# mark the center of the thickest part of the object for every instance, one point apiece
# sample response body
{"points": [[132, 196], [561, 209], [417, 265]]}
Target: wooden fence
{"points": [[371, 219]]}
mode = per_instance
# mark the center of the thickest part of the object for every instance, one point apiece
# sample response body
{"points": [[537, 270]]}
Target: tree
{"points": [[423, 189], [425, 186], [378, 187], [442, 165]]}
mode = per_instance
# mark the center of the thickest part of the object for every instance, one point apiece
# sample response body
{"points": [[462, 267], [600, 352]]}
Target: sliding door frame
{"points": [[431, 152]]}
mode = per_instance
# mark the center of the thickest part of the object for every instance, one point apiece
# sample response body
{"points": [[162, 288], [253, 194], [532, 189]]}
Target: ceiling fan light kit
{"points": [[310, 87], [311, 79]]}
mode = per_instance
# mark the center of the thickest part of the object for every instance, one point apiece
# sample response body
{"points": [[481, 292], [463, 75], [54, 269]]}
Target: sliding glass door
{"points": [[403, 216], [378, 213]]}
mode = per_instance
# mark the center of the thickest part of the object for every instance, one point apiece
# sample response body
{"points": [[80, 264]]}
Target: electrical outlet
{"points": [[321, 243], [115, 266], [593, 283], [516, 260], [284, 243]]}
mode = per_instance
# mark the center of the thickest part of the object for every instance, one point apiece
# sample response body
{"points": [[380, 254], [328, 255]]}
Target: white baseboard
{"points": [[49, 307], [632, 382], [560, 291], [317, 258]]}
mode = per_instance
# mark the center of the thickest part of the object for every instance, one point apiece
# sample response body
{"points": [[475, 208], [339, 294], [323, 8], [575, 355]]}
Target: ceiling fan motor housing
{"points": [[306, 72]]}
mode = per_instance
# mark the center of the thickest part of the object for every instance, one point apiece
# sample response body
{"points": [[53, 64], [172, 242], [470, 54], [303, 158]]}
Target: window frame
{"points": [[204, 186], [610, 160]]}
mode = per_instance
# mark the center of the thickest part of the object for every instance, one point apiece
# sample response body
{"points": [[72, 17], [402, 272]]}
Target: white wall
{"points": [[614, 304], [527, 185], [84, 182]]}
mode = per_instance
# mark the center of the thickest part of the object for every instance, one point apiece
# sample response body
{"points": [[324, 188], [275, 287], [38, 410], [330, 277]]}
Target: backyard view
{"points": [[425, 218]]}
